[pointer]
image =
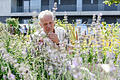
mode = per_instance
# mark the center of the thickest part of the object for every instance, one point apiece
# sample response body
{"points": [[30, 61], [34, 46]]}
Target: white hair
{"points": [[44, 13]]}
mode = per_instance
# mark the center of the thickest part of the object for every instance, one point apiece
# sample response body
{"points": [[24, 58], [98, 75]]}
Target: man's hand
{"points": [[40, 42], [52, 36]]}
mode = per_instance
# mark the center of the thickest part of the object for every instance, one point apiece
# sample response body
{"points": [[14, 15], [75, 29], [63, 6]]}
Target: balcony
{"points": [[90, 7], [66, 8], [62, 8], [111, 8], [100, 7], [44, 7], [21, 9], [18, 9]]}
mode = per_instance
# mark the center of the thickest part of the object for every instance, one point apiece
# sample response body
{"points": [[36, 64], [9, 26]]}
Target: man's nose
{"points": [[49, 25]]}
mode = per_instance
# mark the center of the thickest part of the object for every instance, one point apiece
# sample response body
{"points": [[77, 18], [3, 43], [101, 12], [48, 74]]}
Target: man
{"points": [[55, 34], [52, 37]]}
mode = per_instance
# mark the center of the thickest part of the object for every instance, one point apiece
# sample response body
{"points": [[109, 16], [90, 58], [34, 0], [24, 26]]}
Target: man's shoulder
{"points": [[59, 28], [39, 33]]}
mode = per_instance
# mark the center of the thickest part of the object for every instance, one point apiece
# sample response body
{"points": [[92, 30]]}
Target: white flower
{"points": [[100, 14], [1, 44], [4, 77], [107, 67], [11, 76], [16, 65], [49, 50], [24, 52]]}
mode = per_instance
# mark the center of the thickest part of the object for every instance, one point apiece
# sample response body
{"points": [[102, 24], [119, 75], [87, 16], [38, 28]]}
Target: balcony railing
{"points": [[99, 7], [110, 8], [60, 8], [66, 8], [17, 9], [21, 9], [44, 7], [90, 7]]}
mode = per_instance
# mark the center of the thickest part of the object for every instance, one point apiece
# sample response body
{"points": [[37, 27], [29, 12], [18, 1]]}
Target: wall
{"points": [[5, 7], [14, 5]]}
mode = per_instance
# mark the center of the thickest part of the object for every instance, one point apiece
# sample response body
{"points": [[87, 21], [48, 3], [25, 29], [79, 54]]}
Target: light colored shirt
{"points": [[41, 34], [58, 30]]}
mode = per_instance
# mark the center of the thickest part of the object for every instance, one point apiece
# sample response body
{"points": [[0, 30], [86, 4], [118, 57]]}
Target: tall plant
{"points": [[14, 23]]}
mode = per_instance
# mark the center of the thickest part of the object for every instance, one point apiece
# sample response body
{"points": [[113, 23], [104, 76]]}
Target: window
{"points": [[19, 3], [95, 1], [89, 21], [79, 21], [26, 6], [86, 1], [68, 2], [35, 5], [91, 1], [118, 20], [59, 1], [45, 2]]}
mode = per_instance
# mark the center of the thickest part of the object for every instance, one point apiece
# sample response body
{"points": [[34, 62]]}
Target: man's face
{"points": [[47, 24]]}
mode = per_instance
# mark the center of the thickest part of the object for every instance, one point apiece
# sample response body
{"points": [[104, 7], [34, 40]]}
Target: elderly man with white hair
{"points": [[49, 38], [49, 30]]}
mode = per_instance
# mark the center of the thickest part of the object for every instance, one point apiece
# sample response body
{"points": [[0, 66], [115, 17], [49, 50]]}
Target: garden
{"points": [[92, 55]]}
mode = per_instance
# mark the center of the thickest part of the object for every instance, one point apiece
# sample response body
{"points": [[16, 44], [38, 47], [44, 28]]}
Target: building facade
{"points": [[75, 9]]}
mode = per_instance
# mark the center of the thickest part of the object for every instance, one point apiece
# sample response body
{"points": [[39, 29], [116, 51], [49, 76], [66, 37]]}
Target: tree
{"points": [[14, 22], [110, 2]]}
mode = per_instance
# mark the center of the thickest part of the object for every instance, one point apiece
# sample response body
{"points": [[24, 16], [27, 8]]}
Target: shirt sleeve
{"points": [[60, 31]]}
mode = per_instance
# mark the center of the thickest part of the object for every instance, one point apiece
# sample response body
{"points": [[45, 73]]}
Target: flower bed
{"points": [[91, 56]]}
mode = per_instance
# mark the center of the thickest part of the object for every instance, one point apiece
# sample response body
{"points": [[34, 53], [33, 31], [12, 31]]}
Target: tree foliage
{"points": [[12, 21], [110, 2]]}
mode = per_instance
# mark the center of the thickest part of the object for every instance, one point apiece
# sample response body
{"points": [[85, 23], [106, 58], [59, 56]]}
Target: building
{"points": [[75, 9]]}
